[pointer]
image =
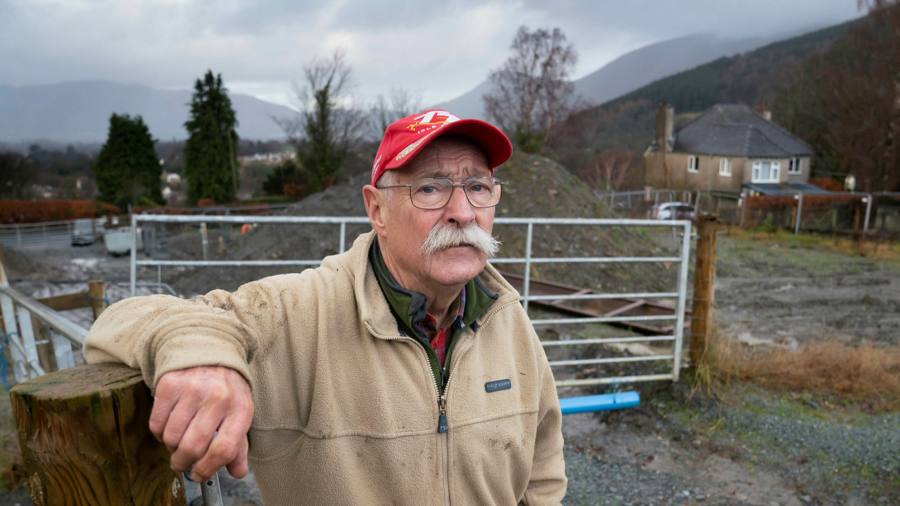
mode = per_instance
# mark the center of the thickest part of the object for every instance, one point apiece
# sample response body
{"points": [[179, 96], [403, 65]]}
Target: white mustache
{"points": [[445, 235]]}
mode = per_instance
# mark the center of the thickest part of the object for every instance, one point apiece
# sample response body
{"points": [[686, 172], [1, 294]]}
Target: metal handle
{"points": [[212, 491]]}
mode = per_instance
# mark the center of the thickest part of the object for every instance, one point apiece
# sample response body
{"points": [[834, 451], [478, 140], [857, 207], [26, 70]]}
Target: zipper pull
{"points": [[442, 418]]}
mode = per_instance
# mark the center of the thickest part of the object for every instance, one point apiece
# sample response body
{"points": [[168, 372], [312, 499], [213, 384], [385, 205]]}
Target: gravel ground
{"points": [[748, 446]]}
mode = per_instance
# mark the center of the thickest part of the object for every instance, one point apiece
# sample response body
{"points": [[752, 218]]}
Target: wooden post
{"points": [[85, 439], [44, 345], [704, 289], [97, 293]]}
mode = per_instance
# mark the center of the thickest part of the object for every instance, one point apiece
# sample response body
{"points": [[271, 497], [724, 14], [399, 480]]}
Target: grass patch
{"points": [[864, 375], [870, 248]]}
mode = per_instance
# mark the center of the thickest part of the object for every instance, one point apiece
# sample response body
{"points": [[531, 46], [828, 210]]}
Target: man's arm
{"points": [[195, 355], [548, 471]]}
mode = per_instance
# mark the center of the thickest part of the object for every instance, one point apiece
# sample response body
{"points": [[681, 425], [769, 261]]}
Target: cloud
{"points": [[435, 49]]}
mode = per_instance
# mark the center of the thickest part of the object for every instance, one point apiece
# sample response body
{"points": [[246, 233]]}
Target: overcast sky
{"points": [[437, 49]]}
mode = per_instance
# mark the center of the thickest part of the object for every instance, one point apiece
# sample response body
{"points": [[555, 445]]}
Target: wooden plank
{"points": [[43, 344], [67, 301], [85, 439], [26, 339], [11, 326]]}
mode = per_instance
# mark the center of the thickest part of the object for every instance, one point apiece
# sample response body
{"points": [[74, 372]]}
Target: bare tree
{"points": [[531, 91], [399, 104], [329, 124], [610, 169], [860, 86]]}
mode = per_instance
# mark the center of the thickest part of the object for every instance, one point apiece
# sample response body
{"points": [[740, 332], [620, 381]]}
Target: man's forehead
{"points": [[448, 157]]}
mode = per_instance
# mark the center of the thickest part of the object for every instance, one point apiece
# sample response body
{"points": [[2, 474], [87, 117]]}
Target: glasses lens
{"points": [[482, 192], [431, 193]]}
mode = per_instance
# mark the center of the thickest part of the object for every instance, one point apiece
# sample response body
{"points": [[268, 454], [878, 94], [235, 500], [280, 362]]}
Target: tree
{"points": [[846, 102], [329, 126], [399, 104], [610, 169], [16, 174], [210, 154], [531, 92], [127, 168]]}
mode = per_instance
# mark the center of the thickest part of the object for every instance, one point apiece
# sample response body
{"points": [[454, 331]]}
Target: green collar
{"points": [[409, 307]]}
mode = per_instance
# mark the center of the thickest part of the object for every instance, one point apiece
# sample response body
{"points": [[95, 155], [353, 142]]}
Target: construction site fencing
{"points": [[873, 214], [870, 214], [681, 231]]}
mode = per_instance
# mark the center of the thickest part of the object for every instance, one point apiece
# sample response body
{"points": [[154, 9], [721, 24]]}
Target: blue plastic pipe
{"points": [[602, 402]]}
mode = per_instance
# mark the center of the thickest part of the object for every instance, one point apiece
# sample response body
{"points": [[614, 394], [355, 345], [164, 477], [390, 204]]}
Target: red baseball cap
{"points": [[404, 138]]}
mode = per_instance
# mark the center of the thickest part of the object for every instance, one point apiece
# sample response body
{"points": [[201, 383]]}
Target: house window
{"points": [[724, 167], [692, 164], [766, 172], [794, 166]]}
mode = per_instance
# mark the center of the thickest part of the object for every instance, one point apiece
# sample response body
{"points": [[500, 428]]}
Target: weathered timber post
{"points": [[44, 345], [85, 439], [97, 293], [704, 288]]}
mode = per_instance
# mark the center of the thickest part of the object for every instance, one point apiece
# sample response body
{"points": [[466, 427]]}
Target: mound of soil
{"points": [[22, 265], [533, 186]]}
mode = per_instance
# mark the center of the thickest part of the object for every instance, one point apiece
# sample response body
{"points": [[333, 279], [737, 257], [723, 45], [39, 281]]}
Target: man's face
{"points": [[404, 227]]}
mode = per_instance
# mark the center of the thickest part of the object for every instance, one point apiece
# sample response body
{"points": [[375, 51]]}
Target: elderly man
{"points": [[402, 371]]}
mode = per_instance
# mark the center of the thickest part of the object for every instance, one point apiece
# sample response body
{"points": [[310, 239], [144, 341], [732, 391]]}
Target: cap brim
{"points": [[493, 141]]}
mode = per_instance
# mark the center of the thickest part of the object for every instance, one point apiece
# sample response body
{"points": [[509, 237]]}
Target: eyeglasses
{"points": [[435, 192]]}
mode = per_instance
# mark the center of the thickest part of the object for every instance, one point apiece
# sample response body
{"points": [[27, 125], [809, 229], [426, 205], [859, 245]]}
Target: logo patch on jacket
{"points": [[496, 386]]}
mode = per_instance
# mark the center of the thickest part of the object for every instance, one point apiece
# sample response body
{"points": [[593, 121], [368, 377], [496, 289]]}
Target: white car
{"points": [[673, 211], [84, 232]]}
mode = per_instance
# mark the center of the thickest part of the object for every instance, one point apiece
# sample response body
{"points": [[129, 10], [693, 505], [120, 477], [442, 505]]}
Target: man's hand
{"points": [[190, 406]]}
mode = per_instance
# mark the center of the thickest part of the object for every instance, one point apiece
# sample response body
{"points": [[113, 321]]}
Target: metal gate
{"points": [[680, 232]]}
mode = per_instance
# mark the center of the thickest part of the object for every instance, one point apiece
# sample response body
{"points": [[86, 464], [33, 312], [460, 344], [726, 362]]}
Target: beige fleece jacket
{"points": [[346, 406]]}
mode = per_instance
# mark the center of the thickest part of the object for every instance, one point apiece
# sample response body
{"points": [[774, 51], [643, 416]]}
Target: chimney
{"points": [[665, 115]]}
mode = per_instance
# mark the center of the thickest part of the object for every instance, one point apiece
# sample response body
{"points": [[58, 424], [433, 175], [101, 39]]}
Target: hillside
{"points": [[79, 112], [627, 122], [631, 70]]}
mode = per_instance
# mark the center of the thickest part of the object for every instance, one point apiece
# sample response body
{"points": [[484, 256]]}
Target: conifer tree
{"points": [[127, 168], [210, 155]]}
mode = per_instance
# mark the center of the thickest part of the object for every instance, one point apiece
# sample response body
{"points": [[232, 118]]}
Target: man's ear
{"points": [[373, 200]]}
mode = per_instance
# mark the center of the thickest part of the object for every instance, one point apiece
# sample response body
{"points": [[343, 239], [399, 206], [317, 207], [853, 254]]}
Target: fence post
{"points": [[526, 279], [799, 198], [42, 342], [204, 241], [97, 293], [868, 200], [704, 289], [743, 203], [85, 439]]}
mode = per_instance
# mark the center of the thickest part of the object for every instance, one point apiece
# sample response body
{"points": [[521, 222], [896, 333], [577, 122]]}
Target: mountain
{"points": [[79, 111], [631, 70]]}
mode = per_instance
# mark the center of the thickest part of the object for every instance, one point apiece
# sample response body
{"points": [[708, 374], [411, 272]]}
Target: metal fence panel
{"points": [[528, 260]]}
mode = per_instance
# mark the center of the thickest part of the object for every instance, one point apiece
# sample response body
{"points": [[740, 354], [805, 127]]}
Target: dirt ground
{"points": [[791, 291]]}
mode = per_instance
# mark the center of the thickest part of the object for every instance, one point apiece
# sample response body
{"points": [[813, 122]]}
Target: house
{"points": [[729, 148]]}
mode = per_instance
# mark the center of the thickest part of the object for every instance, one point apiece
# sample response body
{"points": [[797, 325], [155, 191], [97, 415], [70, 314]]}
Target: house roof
{"points": [[737, 130], [785, 189]]}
